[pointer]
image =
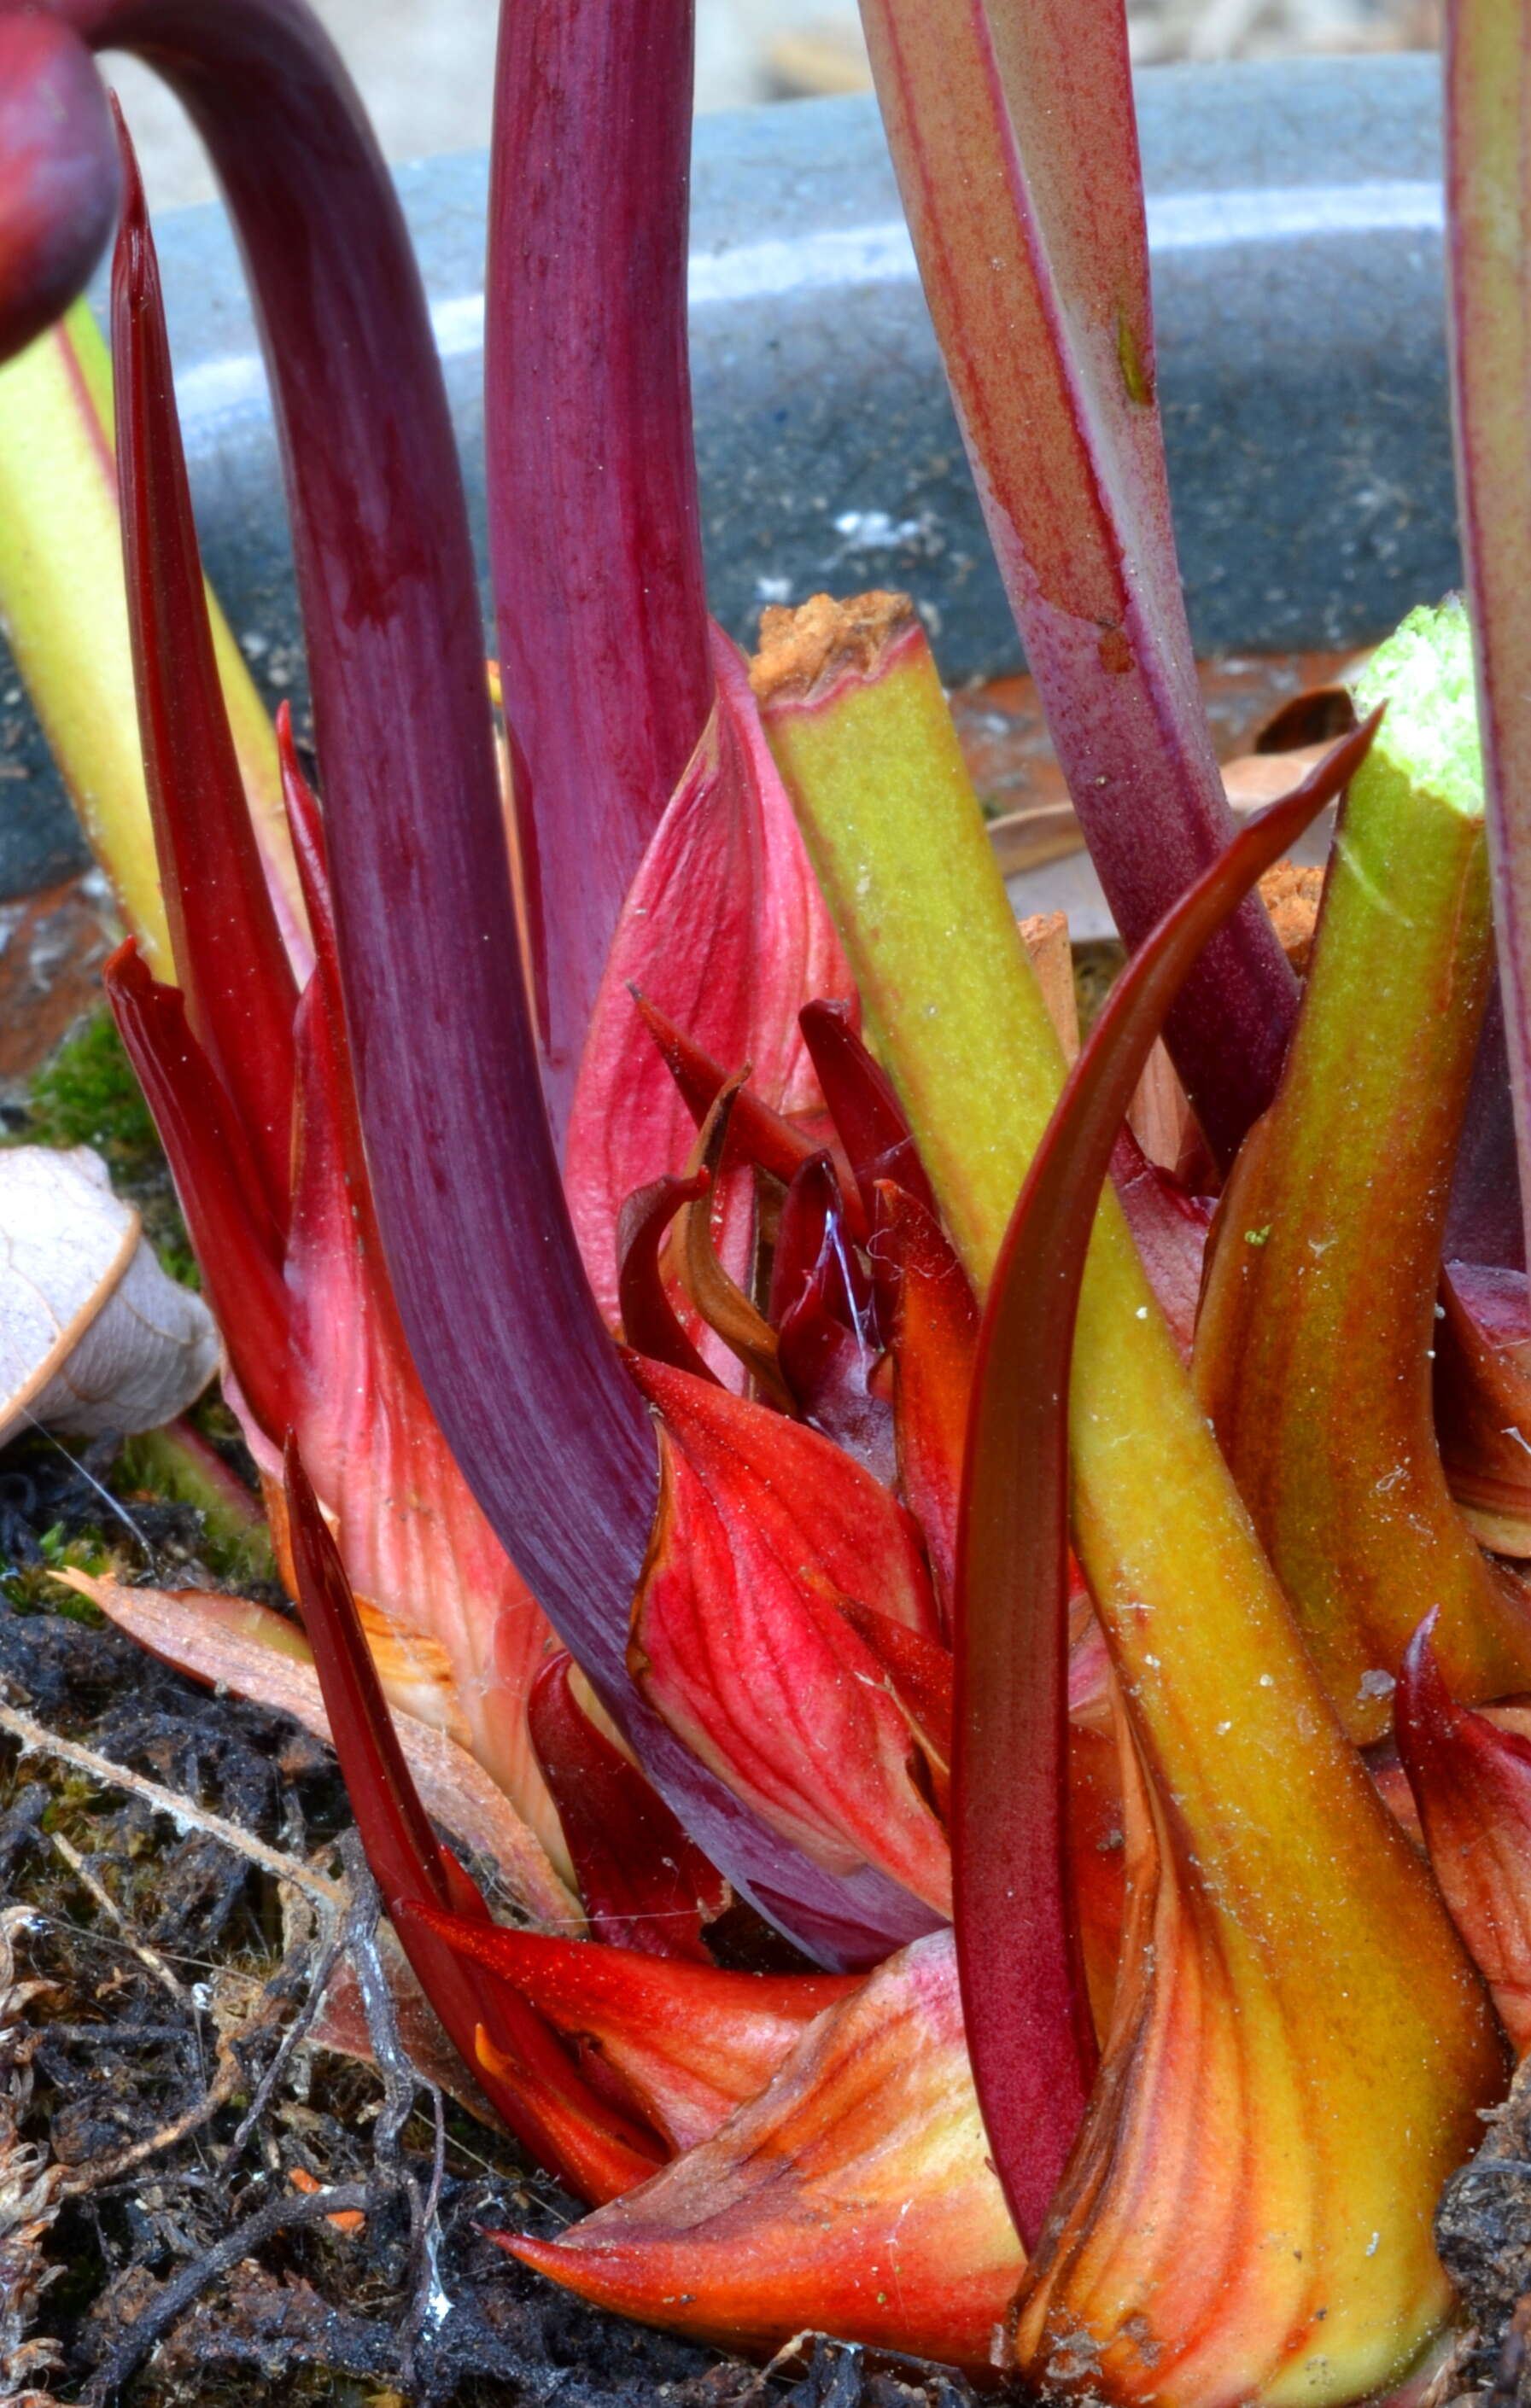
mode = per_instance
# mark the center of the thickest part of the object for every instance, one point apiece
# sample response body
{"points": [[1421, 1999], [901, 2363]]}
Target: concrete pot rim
{"points": [[1295, 226]]}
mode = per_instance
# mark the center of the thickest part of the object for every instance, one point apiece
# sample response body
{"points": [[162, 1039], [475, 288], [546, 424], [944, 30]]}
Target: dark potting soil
{"points": [[184, 2256]]}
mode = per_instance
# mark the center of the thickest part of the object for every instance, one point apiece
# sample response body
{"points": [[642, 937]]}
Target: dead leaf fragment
{"points": [[93, 1335]]}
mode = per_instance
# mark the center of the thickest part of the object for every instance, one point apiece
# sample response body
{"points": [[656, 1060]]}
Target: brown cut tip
{"points": [[805, 650]]}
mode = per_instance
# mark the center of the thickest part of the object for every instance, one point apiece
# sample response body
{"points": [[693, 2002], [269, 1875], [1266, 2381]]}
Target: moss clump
{"points": [[88, 1094]]}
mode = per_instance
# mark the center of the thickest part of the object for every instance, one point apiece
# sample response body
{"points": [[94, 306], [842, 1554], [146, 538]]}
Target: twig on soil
{"points": [[278, 2215], [36, 1739], [292, 2039], [401, 2086], [225, 2083]]}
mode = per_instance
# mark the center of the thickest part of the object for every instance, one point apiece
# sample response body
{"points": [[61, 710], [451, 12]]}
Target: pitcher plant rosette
{"points": [[759, 1449]]}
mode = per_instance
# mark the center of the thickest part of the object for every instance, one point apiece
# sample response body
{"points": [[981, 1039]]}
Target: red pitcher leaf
{"points": [[1316, 1371], [1483, 1400], [1033, 2046], [230, 960], [863, 1106], [232, 1642], [1015, 141], [935, 1344], [645, 1310], [795, 1498], [748, 1660], [416, 1545], [1471, 1782], [644, 1884], [532, 2082], [236, 1244], [725, 934], [1486, 55], [853, 2196], [691, 2043], [593, 523]]}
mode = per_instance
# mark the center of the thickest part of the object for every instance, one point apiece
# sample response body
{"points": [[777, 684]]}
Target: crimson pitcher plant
{"points": [[758, 1451]]}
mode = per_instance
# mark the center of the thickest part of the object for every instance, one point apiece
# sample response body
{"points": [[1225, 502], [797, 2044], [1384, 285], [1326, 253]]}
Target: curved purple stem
{"points": [[58, 175], [518, 1367], [594, 519]]}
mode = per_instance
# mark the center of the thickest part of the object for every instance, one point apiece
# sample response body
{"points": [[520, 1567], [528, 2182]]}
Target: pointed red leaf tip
{"points": [[59, 179], [650, 1322], [934, 1343], [1015, 141], [738, 1641], [725, 930], [644, 1884], [230, 961], [526, 2073], [1472, 1786], [853, 2196], [1033, 2051], [774, 1145], [689, 2042], [863, 1106], [594, 521], [236, 1244]]}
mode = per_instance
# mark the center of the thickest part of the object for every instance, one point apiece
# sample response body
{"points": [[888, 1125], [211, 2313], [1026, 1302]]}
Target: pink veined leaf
{"points": [[689, 2042], [738, 1640], [416, 1544], [644, 1884], [594, 520], [1013, 134], [724, 931], [853, 2196], [1019, 1941]]}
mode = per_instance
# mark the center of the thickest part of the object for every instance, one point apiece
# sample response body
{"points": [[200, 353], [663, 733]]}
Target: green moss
{"points": [[29, 1588], [88, 1094]]}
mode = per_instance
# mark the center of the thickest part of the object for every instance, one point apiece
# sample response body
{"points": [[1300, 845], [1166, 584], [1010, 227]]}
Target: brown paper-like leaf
{"points": [[263, 1656], [93, 1335]]}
